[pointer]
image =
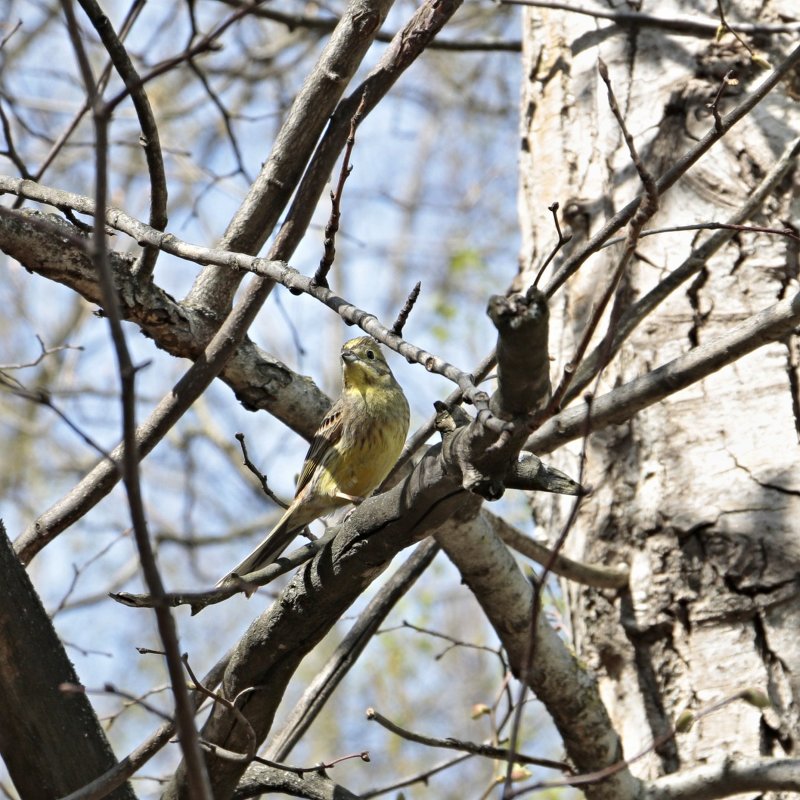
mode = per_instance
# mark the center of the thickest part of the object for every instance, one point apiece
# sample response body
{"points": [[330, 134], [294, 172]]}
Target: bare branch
{"points": [[101, 787], [599, 577], [729, 777], [315, 23], [257, 216], [199, 600], [489, 751], [689, 26], [326, 680], [767, 326], [199, 783], [402, 317], [150, 138], [332, 226]]}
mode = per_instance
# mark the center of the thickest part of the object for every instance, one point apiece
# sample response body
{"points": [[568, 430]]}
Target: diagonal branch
{"points": [[767, 326], [259, 213], [690, 266]]}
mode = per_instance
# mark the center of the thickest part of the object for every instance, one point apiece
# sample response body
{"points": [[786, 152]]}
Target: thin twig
{"points": [[486, 750], [147, 123], [746, 695], [199, 600], [110, 689], [262, 479], [688, 26], [560, 242], [422, 777], [328, 24], [13, 30], [252, 742], [536, 604], [402, 317], [715, 226], [727, 80], [199, 782], [332, 226], [44, 352], [725, 25]]}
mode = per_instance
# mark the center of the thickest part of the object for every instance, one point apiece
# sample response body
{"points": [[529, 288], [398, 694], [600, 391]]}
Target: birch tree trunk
{"points": [[700, 493]]}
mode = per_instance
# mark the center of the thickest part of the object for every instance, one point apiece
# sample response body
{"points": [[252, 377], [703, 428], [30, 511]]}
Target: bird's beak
{"points": [[349, 357]]}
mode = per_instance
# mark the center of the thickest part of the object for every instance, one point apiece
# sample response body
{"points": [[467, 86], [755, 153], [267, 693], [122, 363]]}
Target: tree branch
{"points": [[767, 326], [730, 777], [313, 105], [150, 139], [585, 574], [568, 690], [322, 24], [688, 26]]}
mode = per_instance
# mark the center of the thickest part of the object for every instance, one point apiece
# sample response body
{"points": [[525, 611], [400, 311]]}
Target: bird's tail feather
{"points": [[275, 542]]}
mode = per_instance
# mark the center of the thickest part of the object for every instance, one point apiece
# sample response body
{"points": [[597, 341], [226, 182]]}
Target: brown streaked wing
{"points": [[328, 433]]}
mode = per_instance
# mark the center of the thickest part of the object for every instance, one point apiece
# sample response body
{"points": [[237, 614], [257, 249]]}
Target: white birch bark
{"points": [[700, 494]]}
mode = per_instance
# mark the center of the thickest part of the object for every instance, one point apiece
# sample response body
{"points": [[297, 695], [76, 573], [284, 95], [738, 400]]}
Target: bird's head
{"points": [[363, 364]]}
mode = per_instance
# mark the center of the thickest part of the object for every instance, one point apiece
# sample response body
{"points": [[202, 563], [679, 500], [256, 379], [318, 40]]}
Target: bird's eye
{"points": [[371, 355]]}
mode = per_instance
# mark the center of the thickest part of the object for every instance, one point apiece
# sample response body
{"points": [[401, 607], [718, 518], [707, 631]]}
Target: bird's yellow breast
{"points": [[371, 440]]}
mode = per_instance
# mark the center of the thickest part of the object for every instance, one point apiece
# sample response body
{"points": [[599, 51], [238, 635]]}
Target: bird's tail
{"points": [[275, 542]]}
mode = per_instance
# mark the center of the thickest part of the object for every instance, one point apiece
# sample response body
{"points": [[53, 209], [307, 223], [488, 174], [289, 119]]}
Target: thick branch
{"points": [[731, 777], [568, 690], [313, 602], [313, 786], [320, 689], [408, 44], [532, 475], [49, 246], [523, 364]]}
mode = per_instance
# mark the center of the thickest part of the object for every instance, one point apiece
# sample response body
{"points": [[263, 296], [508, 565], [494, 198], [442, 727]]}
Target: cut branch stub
{"points": [[523, 364], [532, 474], [485, 455]]}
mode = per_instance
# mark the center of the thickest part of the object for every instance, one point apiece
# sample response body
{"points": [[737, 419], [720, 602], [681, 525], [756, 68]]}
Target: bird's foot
{"points": [[351, 498]]}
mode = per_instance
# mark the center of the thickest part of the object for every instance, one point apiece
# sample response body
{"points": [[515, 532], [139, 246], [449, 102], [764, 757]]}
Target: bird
{"points": [[352, 452]]}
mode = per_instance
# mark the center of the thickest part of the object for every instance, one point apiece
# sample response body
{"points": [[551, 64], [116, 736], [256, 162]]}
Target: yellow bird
{"points": [[351, 453]]}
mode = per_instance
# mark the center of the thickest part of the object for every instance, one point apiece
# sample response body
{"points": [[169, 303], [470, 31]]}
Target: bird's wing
{"points": [[327, 435]]}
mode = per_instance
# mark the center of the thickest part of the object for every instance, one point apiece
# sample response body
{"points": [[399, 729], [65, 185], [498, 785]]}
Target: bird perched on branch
{"points": [[351, 453]]}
